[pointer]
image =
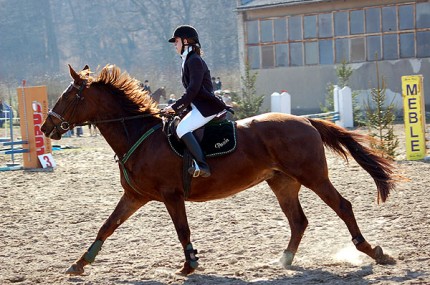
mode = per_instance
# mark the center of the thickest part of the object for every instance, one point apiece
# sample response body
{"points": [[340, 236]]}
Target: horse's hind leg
{"points": [[343, 208], [286, 190], [124, 209]]}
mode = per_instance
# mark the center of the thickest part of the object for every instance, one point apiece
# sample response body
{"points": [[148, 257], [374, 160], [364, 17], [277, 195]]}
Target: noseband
{"points": [[64, 125]]}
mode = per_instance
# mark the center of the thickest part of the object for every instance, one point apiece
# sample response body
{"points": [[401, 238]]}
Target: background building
{"points": [[297, 44]]}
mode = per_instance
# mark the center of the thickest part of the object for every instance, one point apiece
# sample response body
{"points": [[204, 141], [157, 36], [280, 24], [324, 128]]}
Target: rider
{"points": [[198, 94]]}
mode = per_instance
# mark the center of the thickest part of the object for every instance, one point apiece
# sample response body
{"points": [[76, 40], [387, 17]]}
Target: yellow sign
{"points": [[414, 116], [33, 110]]}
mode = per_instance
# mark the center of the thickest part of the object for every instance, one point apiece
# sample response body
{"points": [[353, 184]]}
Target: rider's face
{"points": [[178, 44]]}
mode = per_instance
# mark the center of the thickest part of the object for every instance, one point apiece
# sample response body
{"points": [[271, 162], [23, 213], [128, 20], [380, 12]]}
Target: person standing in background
{"points": [[218, 84]]}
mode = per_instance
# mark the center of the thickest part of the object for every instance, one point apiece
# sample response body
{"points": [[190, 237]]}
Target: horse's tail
{"points": [[337, 139]]}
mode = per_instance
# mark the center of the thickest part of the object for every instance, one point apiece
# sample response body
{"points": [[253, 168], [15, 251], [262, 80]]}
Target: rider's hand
{"points": [[168, 109]]}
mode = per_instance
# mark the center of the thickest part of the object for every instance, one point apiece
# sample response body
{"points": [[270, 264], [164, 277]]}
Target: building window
{"points": [[267, 56], [423, 44], [373, 20], [295, 28], [325, 25], [406, 17], [389, 19], [310, 26], [373, 48], [357, 22], [254, 57], [281, 51], [311, 53], [296, 50], [280, 26], [252, 32], [266, 31], [326, 51], [358, 50], [423, 15], [342, 50], [341, 24], [390, 45], [407, 45]]}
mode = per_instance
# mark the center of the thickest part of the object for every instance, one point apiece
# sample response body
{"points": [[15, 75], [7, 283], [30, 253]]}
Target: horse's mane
{"points": [[133, 99]]}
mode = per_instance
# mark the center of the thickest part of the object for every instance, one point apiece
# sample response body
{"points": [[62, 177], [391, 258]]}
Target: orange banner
{"points": [[33, 110]]}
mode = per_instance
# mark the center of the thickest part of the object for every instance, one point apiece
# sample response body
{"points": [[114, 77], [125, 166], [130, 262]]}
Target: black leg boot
{"points": [[196, 151]]}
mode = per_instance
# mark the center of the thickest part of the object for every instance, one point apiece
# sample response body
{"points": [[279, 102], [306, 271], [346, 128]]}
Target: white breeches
{"points": [[192, 121]]}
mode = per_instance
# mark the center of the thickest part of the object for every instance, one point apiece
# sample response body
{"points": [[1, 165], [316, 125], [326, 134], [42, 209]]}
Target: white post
{"points": [[275, 105], [336, 101], [280, 103], [345, 108], [286, 102]]}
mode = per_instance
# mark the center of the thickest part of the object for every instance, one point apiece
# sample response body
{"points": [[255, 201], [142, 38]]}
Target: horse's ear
{"points": [[73, 73], [86, 70]]}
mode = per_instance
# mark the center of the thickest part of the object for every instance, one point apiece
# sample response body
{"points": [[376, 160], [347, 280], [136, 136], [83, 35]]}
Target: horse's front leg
{"points": [[124, 209], [175, 205]]}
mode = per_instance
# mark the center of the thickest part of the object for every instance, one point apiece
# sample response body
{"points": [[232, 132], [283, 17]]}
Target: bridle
{"points": [[65, 125]]}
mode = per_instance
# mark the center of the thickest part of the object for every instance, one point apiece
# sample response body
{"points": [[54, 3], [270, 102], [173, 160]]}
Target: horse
{"points": [[284, 150], [157, 94]]}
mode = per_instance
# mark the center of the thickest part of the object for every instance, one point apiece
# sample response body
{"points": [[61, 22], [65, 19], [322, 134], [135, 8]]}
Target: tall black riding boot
{"points": [[196, 151]]}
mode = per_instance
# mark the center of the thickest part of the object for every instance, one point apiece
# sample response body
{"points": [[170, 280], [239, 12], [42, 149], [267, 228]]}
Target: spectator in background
{"points": [[213, 83], [172, 99], [218, 84], [147, 87]]}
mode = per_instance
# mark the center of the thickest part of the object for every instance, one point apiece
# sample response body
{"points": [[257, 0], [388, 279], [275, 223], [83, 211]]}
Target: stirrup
{"points": [[194, 170]]}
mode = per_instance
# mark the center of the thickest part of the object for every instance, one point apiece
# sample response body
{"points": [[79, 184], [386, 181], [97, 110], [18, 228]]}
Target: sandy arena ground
{"points": [[49, 219]]}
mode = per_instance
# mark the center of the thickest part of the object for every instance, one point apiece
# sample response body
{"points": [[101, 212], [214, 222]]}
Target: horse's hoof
{"points": [[75, 270], [381, 257], [287, 259], [186, 270]]}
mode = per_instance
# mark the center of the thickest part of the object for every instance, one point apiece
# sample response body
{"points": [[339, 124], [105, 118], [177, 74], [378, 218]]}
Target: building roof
{"points": [[261, 4]]}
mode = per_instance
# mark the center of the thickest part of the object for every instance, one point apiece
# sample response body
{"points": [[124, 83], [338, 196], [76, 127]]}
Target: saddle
{"points": [[216, 138]]}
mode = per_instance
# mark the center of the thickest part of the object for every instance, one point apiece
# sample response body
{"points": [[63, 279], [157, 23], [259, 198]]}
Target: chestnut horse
{"points": [[284, 150]]}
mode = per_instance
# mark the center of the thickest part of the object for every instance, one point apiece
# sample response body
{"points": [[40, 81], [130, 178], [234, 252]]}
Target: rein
{"points": [[130, 152]]}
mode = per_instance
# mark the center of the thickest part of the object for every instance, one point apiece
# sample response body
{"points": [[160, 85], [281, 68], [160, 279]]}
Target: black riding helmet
{"points": [[185, 32]]}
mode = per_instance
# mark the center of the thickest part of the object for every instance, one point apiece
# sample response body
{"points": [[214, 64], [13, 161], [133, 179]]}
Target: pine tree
{"points": [[380, 120], [249, 103]]}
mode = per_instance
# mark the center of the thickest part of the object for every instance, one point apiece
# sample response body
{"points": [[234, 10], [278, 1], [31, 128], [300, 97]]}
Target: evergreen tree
{"points": [[380, 120], [249, 103]]}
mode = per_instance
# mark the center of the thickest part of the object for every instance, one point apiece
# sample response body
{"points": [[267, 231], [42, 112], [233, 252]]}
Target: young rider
{"points": [[198, 94]]}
